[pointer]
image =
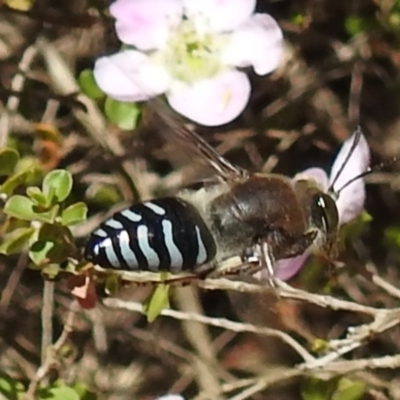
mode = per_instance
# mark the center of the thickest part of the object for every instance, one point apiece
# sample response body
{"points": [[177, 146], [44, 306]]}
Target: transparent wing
{"points": [[196, 148]]}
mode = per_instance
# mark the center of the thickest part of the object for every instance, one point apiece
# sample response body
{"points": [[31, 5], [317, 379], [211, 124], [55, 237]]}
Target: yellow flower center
{"points": [[192, 52]]}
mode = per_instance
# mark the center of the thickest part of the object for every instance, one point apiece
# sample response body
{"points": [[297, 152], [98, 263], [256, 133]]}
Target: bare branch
{"points": [[218, 322]]}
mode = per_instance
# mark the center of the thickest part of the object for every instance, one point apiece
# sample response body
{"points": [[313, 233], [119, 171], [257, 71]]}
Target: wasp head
{"points": [[330, 200]]}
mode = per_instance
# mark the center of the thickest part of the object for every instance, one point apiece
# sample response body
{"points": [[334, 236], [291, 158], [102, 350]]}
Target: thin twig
{"points": [[282, 289], [45, 367], [16, 86], [204, 363], [13, 280], [47, 318], [239, 327], [386, 286]]}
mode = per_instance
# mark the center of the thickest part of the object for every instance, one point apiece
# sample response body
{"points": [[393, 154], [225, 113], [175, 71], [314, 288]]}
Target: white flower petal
{"points": [[257, 43], [214, 101], [171, 397], [351, 199], [130, 76], [221, 15], [146, 24], [316, 174]]}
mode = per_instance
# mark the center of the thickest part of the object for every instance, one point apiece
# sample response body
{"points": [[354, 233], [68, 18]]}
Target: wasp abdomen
{"points": [[166, 234]]}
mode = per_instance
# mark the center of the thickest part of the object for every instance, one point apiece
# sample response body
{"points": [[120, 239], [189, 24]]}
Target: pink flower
{"points": [[350, 200], [190, 50]]}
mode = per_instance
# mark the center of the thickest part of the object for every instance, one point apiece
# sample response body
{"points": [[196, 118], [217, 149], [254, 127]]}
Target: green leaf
{"points": [[14, 181], [17, 241], [50, 271], [317, 389], [349, 390], [104, 194], [54, 244], [158, 301], [20, 5], [124, 115], [59, 393], [354, 25], [112, 285], [13, 224], [352, 230], [37, 196], [47, 216], [58, 184], [299, 19], [8, 161], [10, 387], [20, 207], [23, 208], [89, 85], [392, 236], [39, 252], [74, 214], [84, 392]]}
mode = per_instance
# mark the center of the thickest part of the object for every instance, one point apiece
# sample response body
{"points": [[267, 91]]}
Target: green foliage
{"points": [[74, 214], [17, 240], [299, 19], [10, 388], [8, 161], [355, 25], [20, 207], [125, 115], [355, 228], [334, 389], [18, 170], [60, 391], [112, 284], [104, 194], [392, 236], [157, 302], [57, 186], [89, 85], [44, 222], [15, 390], [348, 389]]}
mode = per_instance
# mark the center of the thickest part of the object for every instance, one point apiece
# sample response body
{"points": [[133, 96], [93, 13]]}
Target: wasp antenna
{"points": [[357, 137], [359, 176], [368, 171]]}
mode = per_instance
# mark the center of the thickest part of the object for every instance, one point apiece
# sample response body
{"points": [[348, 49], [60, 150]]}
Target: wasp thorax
{"points": [[265, 209]]}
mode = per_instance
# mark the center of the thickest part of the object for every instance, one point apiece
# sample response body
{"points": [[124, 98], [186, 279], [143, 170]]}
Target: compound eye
{"points": [[327, 213]]}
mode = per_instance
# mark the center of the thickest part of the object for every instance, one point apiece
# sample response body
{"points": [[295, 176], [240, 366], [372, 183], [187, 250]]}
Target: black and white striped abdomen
{"points": [[166, 234]]}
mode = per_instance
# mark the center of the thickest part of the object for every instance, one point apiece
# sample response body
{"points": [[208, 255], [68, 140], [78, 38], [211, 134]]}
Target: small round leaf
{"points": [[124, 115], [60, 393], [74, 214], [58, 184], [17, 241], [36, 195], [158, 301], [14, 181], [349, 390], [20, 207], [8, 161], [89, 85]]}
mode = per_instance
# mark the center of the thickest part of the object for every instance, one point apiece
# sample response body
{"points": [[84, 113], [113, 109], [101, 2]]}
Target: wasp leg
{"points": [[301, 245], [259, 257]]}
